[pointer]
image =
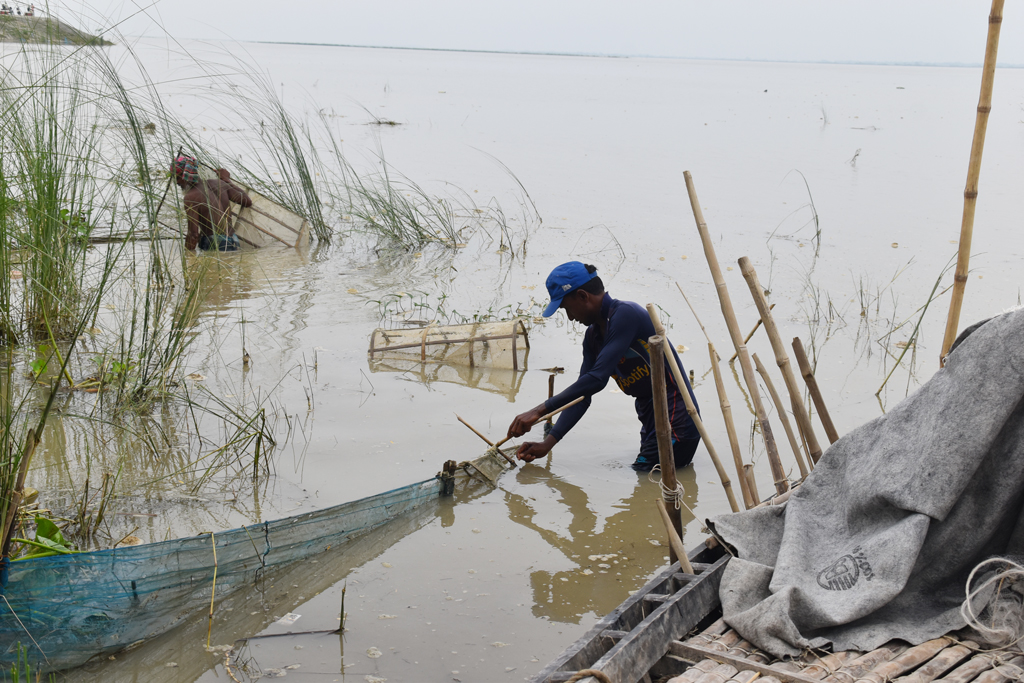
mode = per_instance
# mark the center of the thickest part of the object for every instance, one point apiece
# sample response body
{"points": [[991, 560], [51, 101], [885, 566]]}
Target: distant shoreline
{"points": [[965, 65]]}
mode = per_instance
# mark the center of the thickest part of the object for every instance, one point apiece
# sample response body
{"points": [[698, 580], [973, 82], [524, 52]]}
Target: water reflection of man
{"points": [[614, 346], [625, 546], [208, 206]]}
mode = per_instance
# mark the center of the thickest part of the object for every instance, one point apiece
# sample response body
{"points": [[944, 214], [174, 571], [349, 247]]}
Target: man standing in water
{"points": [[208, 206], [614, 346]]}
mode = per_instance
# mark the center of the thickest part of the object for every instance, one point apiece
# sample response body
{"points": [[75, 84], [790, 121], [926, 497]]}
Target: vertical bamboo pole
{"points": [[663, 430], [988, 73], [777, 400], [691, 409], [781, 357], [778, 474], [749, 500], [812, 387]]}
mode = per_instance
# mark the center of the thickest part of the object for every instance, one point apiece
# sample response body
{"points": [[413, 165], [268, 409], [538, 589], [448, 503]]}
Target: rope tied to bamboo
{"points": [[587, 673], [674, 496]]}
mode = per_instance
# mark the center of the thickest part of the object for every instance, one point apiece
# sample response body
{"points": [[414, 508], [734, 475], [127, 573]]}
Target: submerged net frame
{"points": [[494, 344]]}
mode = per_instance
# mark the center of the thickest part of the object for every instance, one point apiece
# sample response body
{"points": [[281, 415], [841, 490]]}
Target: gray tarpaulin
{"points": [[878, 542]]}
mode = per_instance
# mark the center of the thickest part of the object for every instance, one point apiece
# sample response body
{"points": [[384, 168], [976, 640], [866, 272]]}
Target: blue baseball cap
{"points": [[563, 280]]}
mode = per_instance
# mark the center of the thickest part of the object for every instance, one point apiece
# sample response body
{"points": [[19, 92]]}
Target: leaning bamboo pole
{"points": [[815, 391], [781, 357], [691, 409], [750, 335], [663, 430], [749, 500], [988, 73], [778, 474], [777, 400], [723, 400]]}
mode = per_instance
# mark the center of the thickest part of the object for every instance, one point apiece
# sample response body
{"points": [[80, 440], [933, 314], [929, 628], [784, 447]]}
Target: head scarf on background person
{"points": [[186, 168]]}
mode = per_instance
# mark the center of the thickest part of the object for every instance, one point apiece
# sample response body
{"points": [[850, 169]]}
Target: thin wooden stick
{"points": [[988, 73], [674, 542], [486, 440], [19, 492], [751, 333], [663, 430], [778, 474], [782, 415], [749, 500], [694, 311], [781, 357], [570, 404], [812, 387], [690, 407], [213, 591]]}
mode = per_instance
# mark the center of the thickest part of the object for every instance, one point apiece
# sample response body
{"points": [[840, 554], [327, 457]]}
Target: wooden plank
{"points": [[650, 640], [275, 219], [696, 653], [591, 646], [243, 219]]}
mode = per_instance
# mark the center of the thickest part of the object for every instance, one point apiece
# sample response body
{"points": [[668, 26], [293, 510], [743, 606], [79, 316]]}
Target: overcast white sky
{"points": [[893, 31]]}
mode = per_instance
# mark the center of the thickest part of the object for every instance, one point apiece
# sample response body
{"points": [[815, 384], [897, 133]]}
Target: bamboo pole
{"points": [[751, 333], [781, 357], [10, 520], [812, 387], [995, 20], [749, 500], [777, 400], [472, 429], [674, 542], [541, 419], [663, 430], [748, 471], [659, 329], [778, 474]]}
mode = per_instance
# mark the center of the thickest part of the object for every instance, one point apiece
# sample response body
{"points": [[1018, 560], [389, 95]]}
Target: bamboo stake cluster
{"points": [[778, 474]]}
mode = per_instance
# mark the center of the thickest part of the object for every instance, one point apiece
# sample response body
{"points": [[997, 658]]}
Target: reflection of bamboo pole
{"points": [[988, 73], [812, 387], [659, 329], [749, 500], [663, 430], [778, 474], [781, 357], [751, 333], [674, 542], [777, 400]]}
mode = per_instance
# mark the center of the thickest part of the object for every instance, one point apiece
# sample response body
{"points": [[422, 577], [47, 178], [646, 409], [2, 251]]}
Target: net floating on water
{"points": [[503, 344]]}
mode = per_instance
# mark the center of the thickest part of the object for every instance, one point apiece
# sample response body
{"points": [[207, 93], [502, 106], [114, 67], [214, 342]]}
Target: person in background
{"points": [[614, 347], [208, 206]]}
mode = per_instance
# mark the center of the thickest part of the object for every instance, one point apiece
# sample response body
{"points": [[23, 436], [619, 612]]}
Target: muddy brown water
{"points": [[491, 586]]}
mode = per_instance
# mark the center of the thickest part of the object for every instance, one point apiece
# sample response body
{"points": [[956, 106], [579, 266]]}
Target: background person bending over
{"points": [[208, 206], [614, 346]]}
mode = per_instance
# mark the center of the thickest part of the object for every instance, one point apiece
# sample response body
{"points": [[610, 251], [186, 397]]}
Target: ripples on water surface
{"points": [[492, 588]]}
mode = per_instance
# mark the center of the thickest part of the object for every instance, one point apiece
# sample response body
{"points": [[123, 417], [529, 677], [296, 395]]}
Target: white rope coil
{"points": [[668, 495], [995, 607]]}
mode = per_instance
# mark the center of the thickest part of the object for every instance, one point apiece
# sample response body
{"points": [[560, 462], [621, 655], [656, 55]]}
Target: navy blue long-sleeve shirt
{"points": [[622, 354]]}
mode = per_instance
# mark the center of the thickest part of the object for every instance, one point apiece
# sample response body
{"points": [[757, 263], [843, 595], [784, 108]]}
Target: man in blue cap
{"points": [[614, 346]]}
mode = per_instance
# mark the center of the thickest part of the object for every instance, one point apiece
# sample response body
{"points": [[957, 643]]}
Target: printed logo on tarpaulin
{"points": [[843, 574]]}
